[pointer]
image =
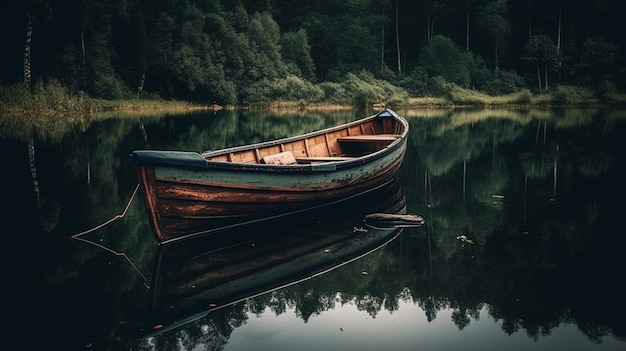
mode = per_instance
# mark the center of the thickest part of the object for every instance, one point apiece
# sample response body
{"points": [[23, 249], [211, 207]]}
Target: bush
{"points": [[48, 96], [290, 88], [522, 97], [110, 87], [440, 87], [14, 97], [417, 82], [364, 89], [258, 92], [334, 92], [566, 94], [293, 88], [361, 92]]}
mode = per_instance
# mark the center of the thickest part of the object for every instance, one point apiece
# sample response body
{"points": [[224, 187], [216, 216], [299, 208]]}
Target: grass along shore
{"points": [[53, 99]]}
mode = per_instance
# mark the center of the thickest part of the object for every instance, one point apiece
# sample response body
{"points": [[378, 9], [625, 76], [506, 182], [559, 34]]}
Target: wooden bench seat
{"points": [[322, 159], [382, 138]]}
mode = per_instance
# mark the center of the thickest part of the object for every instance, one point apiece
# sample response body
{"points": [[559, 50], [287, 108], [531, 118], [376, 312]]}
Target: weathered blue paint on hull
{"points": [[295, 178]]}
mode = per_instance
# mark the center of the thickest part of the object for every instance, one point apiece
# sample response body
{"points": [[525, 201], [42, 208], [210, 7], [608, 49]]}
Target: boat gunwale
{"points": [[298, 167]]}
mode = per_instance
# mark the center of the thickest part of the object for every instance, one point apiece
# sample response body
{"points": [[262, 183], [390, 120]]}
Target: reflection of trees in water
{"points": [[533, 264], [527, 249], [212, 332]]}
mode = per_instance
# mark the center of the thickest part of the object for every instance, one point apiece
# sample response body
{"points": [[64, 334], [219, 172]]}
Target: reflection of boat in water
{"points": [[196, 276]]}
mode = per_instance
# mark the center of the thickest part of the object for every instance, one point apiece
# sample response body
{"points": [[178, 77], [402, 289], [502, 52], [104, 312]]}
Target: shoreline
{"points": [[176, 106]]}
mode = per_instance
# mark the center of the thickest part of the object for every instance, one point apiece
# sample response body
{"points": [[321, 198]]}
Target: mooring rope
{"points": [[78, 237]]}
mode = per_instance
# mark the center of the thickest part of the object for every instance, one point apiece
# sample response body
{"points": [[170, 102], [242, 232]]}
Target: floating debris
{"points": [[464, 239], [361, 229]]}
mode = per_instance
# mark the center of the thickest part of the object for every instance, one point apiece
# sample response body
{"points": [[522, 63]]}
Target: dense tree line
{"points": [[250, 51]]}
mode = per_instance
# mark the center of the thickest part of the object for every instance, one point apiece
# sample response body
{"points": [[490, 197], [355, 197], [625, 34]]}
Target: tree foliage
{"points": [[442, 57], [225, 51], [541, 52]]}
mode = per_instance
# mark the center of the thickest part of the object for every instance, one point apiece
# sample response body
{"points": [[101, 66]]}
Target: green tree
{"points": [[191, 58], [541, 52], [264, 36], [493, 21], [597, 57], [442, 57], [296, 52], [102, 79], [160, 49]]}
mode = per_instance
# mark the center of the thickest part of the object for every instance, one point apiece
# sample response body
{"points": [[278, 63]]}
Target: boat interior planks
{"points": [[340, 145]]}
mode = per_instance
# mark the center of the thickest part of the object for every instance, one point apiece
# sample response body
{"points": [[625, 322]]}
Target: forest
{"points": [[233, 52]]}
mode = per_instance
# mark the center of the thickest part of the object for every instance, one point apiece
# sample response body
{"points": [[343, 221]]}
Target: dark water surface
{"points": [[523, 247]]}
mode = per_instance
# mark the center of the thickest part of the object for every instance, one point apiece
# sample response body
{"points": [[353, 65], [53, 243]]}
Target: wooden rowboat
{"points": [[188, 193]]}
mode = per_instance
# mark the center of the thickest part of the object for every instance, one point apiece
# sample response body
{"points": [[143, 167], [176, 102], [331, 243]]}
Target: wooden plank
{"points": [[330, 152], [258, 155]]}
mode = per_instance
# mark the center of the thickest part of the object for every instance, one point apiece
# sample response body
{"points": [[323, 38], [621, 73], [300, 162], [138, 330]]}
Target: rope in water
{"points": [[78, 236]]}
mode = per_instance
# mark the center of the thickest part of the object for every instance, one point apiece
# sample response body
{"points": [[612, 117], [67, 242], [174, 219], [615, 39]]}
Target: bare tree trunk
{"points": [[464, 178], [88, 168], [382, 41], [467, 31], [496, 59], [530, 32], [140, 86], [428, 35], [430, 22], [29, 36], [539, 77], [27, 82], [398, 36], [430, 30], [558, 44], [33, 167], [82, 44]]}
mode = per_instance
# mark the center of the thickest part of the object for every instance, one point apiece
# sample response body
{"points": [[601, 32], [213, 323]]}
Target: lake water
{"points": [[522, 248]]}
